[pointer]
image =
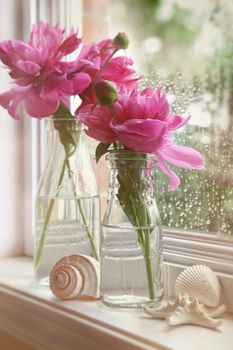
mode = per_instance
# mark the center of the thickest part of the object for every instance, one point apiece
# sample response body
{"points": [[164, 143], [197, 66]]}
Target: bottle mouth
{"points": [[127, 158], [61, 122], [63, 117]]}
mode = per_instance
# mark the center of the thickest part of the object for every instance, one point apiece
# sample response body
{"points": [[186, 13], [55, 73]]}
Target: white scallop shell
{"points": [[201, 282], [192, 313], [76, 276], [165, 309]]}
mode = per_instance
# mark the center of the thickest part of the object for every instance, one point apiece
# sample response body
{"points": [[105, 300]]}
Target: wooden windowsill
{"points": [[35, 317]]}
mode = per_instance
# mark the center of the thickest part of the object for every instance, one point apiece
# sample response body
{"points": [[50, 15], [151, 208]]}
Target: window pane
{"points": [[195, 38]]}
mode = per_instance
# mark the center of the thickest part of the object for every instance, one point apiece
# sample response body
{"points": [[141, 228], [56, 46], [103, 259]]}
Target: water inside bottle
{"points": [[66, 233], [123, 270]]}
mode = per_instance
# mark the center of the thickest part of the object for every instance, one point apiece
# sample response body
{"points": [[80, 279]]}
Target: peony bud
{"points": [[121, 41], [106, 92]]}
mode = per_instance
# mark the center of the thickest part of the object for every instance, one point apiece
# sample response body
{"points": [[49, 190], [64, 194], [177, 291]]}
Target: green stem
{"points": [[147, 255], [110, 107], [104, 65], [143, 234], [84, 219], [39, 251], [149, 270], [139, 231]]}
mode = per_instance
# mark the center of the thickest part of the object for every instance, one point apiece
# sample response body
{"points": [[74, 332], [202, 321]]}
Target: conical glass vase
{"points": [[67, 202]]}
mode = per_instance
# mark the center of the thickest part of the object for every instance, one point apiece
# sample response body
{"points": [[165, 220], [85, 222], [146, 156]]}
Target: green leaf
{"points": [[101, 149], [62, 112], [64, 128], [130, 196]]}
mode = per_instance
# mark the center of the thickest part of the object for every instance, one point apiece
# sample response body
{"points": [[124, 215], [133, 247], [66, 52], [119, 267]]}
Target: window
{"points": [[165, 37], [23, 143], [12, 151], [188, 48]]}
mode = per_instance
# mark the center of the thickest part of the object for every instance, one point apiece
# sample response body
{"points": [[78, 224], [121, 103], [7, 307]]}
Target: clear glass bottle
{"points": [[131, 235], [67, 203]]}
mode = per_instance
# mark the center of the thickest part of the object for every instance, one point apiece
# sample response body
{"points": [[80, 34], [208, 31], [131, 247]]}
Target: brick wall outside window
{"points": [[95, 16]]}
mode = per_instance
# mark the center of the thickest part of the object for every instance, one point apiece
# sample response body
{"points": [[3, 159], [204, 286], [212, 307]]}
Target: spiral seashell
{"points": [[192, 312], [76, 276], [201, 282]]}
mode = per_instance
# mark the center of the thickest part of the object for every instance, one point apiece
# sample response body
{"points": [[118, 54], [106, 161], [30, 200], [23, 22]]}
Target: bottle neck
{"points": [[64, 135], [132, 173], [131, 196]]}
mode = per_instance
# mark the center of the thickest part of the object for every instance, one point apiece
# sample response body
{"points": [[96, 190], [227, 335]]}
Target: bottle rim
{"points": [[130, 155], [71, 123], [130, 159]]}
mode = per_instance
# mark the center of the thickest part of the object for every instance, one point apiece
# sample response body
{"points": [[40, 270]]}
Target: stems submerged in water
{"points": [[70, 145], [130, 196], [84, 219]]}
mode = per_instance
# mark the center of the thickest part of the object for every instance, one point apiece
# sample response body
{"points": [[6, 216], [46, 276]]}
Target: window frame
{"points": [[180, 247], [35, 139], [189, 248]]}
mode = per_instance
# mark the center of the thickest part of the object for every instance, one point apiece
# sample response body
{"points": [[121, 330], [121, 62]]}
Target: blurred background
{"points": [[187, 46]]}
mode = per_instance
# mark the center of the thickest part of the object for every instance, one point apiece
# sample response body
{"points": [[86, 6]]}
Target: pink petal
{"points": [[38, 108], [140, 135], [176, 122], [148, 127], [174, 179], [157, 105], [70, 44], [101, 135], [11, 101], [58, 85], [148, 91], [14, 106], [49, 96], [97, 119], [28, 67], [5, 99], [184, 157], [46, 37], [80, 82]]}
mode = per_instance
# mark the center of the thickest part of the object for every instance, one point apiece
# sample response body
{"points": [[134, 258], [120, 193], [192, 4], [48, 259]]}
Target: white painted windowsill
{"points": [[35, 317]]}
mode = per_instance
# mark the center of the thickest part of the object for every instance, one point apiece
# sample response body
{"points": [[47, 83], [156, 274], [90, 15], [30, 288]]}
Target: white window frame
{"points": [[53, 11], [189, 248]]}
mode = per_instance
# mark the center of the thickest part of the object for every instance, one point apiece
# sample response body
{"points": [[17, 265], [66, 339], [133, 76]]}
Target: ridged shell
{"points": [[201, 282], [76, 276], [192, 313]]}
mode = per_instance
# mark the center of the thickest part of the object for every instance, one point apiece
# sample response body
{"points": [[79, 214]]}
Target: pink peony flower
{"points": [[119, 69], [150, 109], [98, 121], [143, 122], [42, 80]]}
